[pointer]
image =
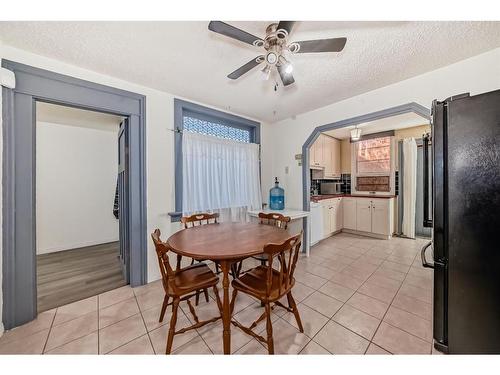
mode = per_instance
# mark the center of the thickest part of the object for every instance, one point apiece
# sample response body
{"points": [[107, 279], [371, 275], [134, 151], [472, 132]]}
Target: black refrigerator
{"points": [[462, 205]]}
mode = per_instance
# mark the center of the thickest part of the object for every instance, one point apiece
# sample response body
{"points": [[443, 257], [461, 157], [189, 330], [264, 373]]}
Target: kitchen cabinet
{"points": [[380, 215], [332, 216], [326, 219], [325, 153], [349, 213], [338, 216], [316, 223], [366, 216], [316, 153], [363, 215], [331, 157]]}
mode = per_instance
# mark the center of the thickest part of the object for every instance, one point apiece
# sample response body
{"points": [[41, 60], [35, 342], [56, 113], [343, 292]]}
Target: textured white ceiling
{"points": [[405, 120], [186, 59]]}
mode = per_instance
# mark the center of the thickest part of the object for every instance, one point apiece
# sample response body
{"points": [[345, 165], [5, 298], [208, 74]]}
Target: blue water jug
{"points": [[277, 197]]}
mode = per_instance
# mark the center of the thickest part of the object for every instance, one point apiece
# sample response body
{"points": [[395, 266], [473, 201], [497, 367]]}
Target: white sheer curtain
{"points": [[219, 175], [409, 186]]}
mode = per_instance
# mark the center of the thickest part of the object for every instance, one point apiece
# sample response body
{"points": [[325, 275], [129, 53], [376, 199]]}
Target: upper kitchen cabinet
{"points": [[331, 155], [316, 153], [325, 154]]}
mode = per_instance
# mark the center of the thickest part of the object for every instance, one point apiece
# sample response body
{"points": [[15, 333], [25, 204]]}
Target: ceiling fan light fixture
{"points": [[355, 134], [287, 65], [271, 58], [266, 72]]}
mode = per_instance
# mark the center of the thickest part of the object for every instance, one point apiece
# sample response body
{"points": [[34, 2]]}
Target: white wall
{"points": [[475, 75], [76, 173]]}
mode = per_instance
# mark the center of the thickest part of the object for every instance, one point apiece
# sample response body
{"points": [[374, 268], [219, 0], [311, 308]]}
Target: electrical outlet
{"points": [[286, 170]]}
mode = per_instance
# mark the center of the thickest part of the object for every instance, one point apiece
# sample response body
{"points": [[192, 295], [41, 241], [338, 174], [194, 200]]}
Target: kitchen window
{"points": [[373, 164], [373, 156], [217, 165]]}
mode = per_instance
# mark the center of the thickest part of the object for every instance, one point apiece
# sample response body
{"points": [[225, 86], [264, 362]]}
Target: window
{"points": [[218, 130], [197, 120], [373, 156]]}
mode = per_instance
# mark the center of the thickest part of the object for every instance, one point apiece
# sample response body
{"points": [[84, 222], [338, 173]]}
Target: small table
{"points": [[225, 243]]}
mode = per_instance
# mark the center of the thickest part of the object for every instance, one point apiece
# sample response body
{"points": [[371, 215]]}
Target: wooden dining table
{"points": [[225, 243]]}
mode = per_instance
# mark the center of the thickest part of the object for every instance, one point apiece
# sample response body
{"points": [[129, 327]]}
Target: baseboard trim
{"points": [[76, 246], [367, 234]]}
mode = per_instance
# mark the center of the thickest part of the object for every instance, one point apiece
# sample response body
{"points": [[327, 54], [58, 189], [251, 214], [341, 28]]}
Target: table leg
{"points": [[226, 315]]}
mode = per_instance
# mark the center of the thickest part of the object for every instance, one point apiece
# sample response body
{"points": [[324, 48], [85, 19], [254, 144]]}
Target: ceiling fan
{"points": [[276, 45]]}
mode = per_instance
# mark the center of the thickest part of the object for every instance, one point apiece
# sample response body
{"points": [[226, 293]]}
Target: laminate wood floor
{"points": [[72, 275]]}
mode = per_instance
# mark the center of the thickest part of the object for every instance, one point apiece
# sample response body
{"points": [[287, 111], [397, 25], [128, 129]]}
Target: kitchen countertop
{"points": [[294, 214], [316, 198]]}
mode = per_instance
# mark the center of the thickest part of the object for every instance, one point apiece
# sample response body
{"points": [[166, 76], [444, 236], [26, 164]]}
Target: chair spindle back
{"points": [[162, 249], [286, 254], [275, 219], [199, 219]]}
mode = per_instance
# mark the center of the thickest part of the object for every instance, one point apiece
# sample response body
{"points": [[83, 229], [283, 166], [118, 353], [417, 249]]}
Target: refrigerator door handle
{"points": [[427, 218], [422, 255]]}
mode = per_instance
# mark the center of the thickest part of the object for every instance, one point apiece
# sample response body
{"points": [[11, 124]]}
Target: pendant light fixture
{"points": [[355, 134]]}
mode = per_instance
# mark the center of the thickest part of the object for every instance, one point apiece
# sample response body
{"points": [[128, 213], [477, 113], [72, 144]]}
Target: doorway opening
{"points": [[77, 204], [33, 86], [362, 161]]}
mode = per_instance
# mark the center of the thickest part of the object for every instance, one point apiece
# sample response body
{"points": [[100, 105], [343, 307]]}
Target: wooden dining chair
{"points": [[196, 220], [199, 219], [278, 220], [181, 284], [269, 284]]}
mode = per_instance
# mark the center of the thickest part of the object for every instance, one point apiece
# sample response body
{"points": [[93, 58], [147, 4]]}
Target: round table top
{"points": [[225, 240]]}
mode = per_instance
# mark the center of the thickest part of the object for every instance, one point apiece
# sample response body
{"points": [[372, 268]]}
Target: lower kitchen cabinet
{"points": [[381, 216], [349, 213], [375, 215], [367, 216], [363, 215], [332, 216]]}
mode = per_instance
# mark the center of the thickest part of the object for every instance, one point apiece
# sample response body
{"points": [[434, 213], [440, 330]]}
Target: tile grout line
{"points": [[343, 304], [143, 321], [393, 298], [73, 340], [50, 331], [370, 341], [142, 318], [199, 334], [97, 296], [356, 290], [145, 325], [99, 329], [196, 330]]}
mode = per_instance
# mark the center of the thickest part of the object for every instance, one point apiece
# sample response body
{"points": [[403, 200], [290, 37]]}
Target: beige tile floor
{"points": [[356, 295]]}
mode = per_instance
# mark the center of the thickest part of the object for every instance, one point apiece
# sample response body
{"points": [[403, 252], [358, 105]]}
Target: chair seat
{"points": [[195, 277], [254, 282]]}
